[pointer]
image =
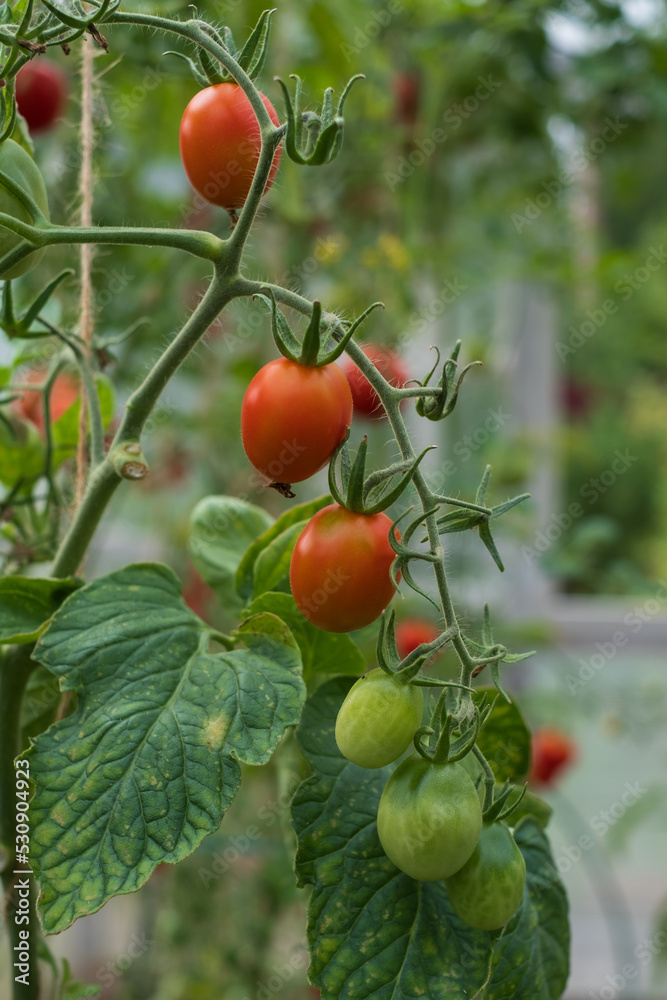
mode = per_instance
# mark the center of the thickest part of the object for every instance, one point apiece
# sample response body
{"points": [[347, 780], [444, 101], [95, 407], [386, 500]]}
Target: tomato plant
{"points": [[391, 367], [487, 890], [41, 93], [24, 172], [140, 761], [293, 418], [378, 719], [220, 143], [339, 572]]}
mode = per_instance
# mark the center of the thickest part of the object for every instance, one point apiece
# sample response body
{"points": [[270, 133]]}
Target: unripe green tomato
{"points": [[473, 768], [21, 451], [20, 166], [429, 818], [378, 719], [488, 889]]}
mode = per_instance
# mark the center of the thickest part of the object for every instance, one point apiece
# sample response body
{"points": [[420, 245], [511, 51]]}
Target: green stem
{"points": [[489, 778], [104, 480], [15, 669]]}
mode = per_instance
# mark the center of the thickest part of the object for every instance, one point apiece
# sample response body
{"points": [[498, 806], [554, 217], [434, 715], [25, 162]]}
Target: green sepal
{"points": [[252, 55], [211, 68], [440, 406], [197, 73], [311, 139], [19, 326]]}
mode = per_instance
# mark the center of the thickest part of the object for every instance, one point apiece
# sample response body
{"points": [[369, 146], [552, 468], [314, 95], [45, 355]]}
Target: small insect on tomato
{"points": [[391, 367], [340, 569], [293, 418], [220, 143]]}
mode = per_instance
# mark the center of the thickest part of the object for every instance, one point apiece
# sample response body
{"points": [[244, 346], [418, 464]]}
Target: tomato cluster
{"points": [[431, 820]]}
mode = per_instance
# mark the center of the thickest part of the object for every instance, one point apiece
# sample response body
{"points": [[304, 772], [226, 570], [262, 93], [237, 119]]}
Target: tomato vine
{"points": [[80, 632]]}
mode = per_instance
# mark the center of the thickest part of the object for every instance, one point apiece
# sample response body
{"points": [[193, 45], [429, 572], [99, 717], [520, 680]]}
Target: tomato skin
{"points": [[366, 400], [429, 818], [487, 891], [552, 752], [412, 633], [41, 93], [339, 573], [378, 719], [20, 166], [64, 392], [293, 418], [220, 144]]}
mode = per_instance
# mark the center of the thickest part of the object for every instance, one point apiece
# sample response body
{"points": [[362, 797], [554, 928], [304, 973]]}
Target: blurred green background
{"points": [[498, 154]]}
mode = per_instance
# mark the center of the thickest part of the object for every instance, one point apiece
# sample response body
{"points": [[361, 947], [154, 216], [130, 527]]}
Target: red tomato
{"points": [[388, 363], [41, 92], [552, 752], [220, 144], [293, 418], [64, 391], [197, 594], [406, 94], [412, 632], [339, 572]]}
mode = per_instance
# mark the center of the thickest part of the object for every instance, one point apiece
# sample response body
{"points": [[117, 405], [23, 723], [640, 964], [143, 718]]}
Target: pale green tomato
{"points": [[21, 451], [378, 719]]}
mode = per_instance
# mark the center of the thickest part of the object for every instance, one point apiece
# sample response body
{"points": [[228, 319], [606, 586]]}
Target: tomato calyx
{"points": [[501, 808], [207, 71], [312, 139], [406, 670], [368, 494], [439, 406], [446, 750], [309, 351]]}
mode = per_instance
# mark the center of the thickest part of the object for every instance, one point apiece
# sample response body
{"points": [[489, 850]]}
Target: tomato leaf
{"points": [[27, 603], [321, 652], [531, 959], [221, 528], [372, 931], [147, 765], [504, 739], [245, 572], [273, 562]]}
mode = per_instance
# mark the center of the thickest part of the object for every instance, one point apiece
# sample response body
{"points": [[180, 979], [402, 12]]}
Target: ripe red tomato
{"points": [[64, 391], [41, 93], [220, 144], [552, 751], [293, 418], [412, 632], [388, 363], [339, 572]]}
